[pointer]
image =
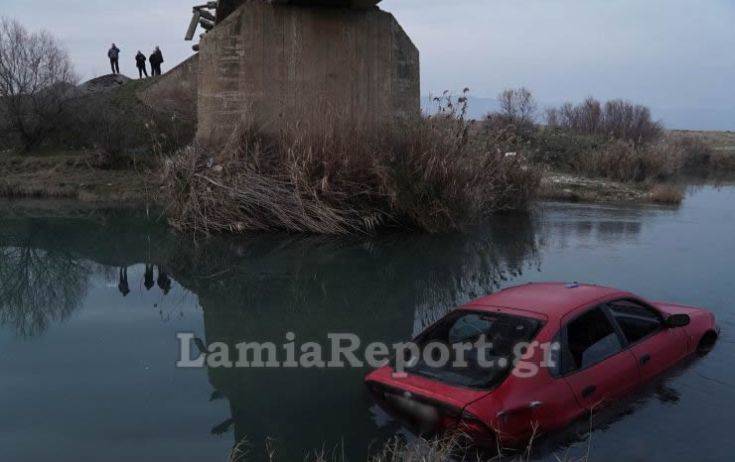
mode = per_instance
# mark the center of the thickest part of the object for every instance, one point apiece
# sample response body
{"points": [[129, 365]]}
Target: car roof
{"points": [[551, 299]]}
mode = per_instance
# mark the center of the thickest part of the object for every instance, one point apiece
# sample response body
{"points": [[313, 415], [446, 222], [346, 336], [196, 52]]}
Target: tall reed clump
{"points": [[336, 178]]}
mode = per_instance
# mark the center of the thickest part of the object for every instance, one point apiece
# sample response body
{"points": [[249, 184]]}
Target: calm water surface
{"points": [[90, 308]]}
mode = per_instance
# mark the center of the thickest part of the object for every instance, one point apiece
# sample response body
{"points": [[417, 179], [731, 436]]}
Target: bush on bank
{"points": [[617, 140], [426, 174]]}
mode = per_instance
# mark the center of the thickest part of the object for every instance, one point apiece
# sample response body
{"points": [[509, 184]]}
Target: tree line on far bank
{"points": [[617, 140]]}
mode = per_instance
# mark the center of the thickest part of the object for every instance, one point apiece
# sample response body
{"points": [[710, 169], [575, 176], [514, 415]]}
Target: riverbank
{"points": [[72, 176], [90, 179]]}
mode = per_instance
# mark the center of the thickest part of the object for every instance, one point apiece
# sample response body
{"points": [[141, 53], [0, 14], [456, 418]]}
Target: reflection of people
{"points": [[164, 282], [123, 284], [148, 277]]}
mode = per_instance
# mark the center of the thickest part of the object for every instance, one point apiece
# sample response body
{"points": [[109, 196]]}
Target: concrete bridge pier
{"points": [[275, 60]]}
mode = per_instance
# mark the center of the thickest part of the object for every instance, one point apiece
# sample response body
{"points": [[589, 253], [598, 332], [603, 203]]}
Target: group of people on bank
{"points": [[155, 60]]}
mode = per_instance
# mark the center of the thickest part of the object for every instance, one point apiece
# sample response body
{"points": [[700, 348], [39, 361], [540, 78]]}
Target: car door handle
{"points": [[645, 359], [589, 391]]}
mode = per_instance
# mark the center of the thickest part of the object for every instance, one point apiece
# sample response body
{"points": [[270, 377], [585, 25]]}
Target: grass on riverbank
{"points": [[444, 449], [426, 174], [72, 175], [666, 194]]}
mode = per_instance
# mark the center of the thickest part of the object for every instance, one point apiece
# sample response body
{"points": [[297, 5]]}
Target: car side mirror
{"points": [[677, 320]]}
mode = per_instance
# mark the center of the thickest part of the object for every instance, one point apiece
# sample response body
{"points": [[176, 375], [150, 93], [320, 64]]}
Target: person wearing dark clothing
{"points": [[156, 60], [114, 54], [140, 60], [153, 60]]}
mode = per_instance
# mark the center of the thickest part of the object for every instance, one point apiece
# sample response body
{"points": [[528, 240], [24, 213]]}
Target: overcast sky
{"points": [[677, 56]]}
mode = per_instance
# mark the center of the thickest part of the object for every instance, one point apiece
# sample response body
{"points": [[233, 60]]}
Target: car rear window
{"points": [[501, 331]]}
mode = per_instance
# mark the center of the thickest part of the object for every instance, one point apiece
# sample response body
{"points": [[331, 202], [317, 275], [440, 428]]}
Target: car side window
{"points": [[635, 320], [591, 338]]}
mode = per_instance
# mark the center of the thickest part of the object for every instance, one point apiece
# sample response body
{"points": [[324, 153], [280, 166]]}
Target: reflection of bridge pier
{"points": [[258, 288], [378, 289]]}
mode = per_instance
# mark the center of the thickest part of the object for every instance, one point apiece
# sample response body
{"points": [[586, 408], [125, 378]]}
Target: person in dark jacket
{"points": [[140, 60], [156, 60], [153, 59], [114, 54]]}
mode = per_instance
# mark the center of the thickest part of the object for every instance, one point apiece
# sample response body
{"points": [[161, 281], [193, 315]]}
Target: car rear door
{"points": [[655, 347], [594, 362]]}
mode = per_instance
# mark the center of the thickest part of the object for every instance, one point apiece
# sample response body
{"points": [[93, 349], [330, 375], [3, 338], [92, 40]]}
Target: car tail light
{"points": [[427, 416]]}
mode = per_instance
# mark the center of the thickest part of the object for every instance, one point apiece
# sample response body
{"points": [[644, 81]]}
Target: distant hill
{"points": [[103, 84]]}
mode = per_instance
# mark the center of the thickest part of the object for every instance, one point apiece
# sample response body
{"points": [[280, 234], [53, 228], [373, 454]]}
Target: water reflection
{"points": [[259, 288], [598, 224], [123, 285], [46, 264], [39, 287], [381, 289]]}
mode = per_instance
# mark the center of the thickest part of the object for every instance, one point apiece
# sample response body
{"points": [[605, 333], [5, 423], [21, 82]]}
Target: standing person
{"points": [[153, 59], [160, 59], [140, 60], [114, 54]]}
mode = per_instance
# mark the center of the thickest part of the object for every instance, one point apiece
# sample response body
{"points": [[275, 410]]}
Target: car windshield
{"points": [[480, 347]]}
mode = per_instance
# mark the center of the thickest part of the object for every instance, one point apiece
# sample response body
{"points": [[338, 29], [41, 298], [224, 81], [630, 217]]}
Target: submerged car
{"points": [[552, 353]]}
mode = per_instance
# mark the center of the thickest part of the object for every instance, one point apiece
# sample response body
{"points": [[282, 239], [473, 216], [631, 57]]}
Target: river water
{"points": [[90, 308]]}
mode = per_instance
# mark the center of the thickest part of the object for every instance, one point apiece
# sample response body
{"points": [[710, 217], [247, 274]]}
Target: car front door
{"points": [[594, 362], [655, 347]]}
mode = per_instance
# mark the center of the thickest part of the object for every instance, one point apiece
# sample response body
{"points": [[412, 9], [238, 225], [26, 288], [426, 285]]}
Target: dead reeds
{"points": [[340, 178]]}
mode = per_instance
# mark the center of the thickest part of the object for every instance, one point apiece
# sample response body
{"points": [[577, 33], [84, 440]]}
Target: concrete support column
{"points": [[271, 62]]}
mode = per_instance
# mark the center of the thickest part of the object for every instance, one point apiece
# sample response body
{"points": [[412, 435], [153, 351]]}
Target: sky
{"points": [[676, 56]]}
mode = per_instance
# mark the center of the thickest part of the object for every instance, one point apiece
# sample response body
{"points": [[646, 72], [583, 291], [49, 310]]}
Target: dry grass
{"points": [[666, 194], [440, 449], [70, 176], [623, 161], [705, 152], [424, 174]]}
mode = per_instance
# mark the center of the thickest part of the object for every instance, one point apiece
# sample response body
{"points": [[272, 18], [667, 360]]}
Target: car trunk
{"points": [[426, 406], [434, 392]]}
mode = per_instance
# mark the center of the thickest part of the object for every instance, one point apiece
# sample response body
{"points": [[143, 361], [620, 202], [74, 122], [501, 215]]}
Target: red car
{"points": [[581, 347]]}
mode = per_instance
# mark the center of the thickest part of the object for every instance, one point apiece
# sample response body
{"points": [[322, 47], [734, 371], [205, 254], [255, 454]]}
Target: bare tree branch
{"points": [[36, 76]]}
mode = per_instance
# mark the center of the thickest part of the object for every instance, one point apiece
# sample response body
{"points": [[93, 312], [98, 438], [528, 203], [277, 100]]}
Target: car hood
{"points": [[455, 396]]}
